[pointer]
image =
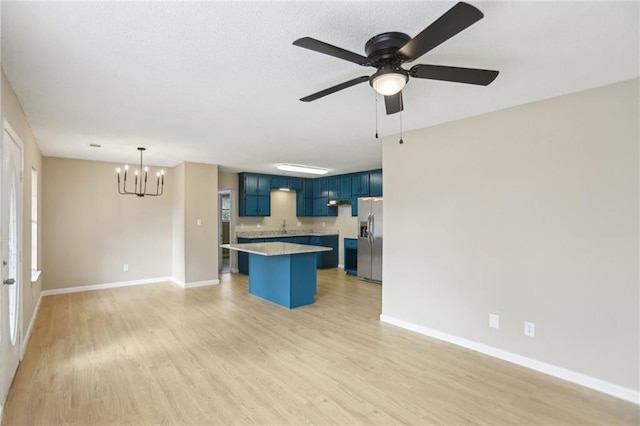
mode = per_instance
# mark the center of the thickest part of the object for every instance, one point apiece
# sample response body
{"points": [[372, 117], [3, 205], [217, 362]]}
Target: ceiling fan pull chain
{"points": [[376, 95], [401, 141]]}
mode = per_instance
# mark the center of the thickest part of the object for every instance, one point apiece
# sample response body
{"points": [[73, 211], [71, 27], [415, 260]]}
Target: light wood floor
{"points": [[161, 354]]}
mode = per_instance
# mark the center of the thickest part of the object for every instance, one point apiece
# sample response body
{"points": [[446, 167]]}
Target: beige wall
{"points": [[12, 112], [530, 213], [90, 231], [178, 223], [201, 241]]}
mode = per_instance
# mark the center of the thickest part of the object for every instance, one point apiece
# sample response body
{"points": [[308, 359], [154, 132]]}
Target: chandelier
{"points": [[140, 181]]}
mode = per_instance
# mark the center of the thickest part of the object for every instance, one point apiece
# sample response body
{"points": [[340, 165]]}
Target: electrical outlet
{"points": [[529, 329], [125, 267], [198, 222], [299, 224], [494, 320], [258, 225], [324, 224]]}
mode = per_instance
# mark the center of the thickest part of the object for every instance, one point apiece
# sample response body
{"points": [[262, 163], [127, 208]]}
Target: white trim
{"points": [[105, 286], [27, 335], [235, 270], [195, 283], [340, 266], [612, 389], [35, 275]]}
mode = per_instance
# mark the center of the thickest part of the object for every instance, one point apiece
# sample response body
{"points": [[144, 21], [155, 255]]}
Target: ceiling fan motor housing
{"points": [[383, 48]]}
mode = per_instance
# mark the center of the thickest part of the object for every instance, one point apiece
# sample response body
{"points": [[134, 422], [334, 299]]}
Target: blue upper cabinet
{"points": [[312, 195], [255, 184], [254, 195], [340, 187], [321, 187], [321, 198], [375, 184], [360, 184], [304, 198], [286, 182]]}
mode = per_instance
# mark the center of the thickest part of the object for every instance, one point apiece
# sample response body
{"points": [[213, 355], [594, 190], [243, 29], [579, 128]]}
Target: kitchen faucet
{"points": [[284, 226]]}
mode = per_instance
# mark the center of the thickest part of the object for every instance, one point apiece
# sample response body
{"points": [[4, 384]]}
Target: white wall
{"points": [[530, 213]]}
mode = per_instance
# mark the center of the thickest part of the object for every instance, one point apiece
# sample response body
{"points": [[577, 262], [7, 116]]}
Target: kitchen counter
{"points": [[282, 273], [275, 248]]}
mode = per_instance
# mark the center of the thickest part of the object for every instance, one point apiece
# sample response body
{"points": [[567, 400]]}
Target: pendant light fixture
{"points": [[140, 180]]}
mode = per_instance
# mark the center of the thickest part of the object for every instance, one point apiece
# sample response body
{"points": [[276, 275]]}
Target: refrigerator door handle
{"points": [[370, 234]]}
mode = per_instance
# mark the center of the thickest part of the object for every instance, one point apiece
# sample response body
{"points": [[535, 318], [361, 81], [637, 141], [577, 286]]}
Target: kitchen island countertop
{"points": [[275, 248]]}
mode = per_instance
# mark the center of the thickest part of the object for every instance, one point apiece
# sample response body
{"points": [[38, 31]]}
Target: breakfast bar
{"points": [[282, 273]]}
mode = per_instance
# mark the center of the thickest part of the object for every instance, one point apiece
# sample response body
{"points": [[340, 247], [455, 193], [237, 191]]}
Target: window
{"points": [[226, 208], [35, 272]]}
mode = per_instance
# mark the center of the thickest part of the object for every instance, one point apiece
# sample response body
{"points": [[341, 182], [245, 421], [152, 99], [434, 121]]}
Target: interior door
{"points": [[10, 236]]}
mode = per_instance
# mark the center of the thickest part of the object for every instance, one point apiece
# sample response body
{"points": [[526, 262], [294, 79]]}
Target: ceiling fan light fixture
{"points": [[388, 82], [302, 169]]}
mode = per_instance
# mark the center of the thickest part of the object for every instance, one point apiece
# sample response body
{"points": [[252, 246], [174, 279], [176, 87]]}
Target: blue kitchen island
{"points": [[282, 273]]}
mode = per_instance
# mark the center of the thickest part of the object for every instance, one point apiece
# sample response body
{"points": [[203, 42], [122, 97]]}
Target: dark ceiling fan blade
{"points": [[393, 103], [328, 49], [456, 19], [455, 74], [334, 89]]}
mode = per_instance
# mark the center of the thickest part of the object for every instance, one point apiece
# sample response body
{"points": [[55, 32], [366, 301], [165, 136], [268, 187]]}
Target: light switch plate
{"points": [[494, 320], [529, 329]]}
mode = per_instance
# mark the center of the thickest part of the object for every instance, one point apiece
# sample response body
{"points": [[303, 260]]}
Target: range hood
{"points": [[338, 202]]}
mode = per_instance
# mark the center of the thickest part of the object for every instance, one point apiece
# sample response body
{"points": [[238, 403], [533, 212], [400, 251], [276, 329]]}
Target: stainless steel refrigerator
{"points": [[370, 238]]}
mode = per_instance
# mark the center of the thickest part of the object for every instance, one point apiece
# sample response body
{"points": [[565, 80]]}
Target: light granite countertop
{"points": [[288, 233], [275, 248]]}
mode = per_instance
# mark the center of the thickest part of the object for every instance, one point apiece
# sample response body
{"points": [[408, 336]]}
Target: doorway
{"points": [[225, 227], [11, 247]]}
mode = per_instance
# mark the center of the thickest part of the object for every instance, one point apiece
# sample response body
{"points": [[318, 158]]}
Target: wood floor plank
{"points": [[217, 355]]}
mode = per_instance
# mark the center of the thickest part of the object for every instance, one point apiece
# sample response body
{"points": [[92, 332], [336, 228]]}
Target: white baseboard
{"points": [[25, 340], [105, 286], [235, 270], [195, 283], [340, 266], [617, 391]]}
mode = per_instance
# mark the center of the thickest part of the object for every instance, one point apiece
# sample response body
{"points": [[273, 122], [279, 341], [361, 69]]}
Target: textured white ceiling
{"points": [[220, 82]]}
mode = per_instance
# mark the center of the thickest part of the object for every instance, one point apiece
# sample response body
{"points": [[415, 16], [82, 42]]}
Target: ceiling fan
{"points": [[388, 51]]}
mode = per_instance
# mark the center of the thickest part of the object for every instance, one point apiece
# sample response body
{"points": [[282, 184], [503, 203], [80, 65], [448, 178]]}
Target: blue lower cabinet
{"points": [[324, 260], [243, 256], [351, 256]]}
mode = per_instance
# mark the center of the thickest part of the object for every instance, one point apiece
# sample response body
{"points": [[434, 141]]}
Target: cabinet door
{"points": [[354, 206], [295, 184], [375, 184], [334, 188], [251, 184], [320, 206], [330, 258], [250, 205], [345, 187], [278, 182], [264, 185], [306, 187], [320, 187], [264, 206], [360, 184]]}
